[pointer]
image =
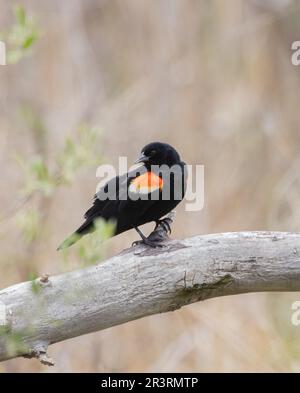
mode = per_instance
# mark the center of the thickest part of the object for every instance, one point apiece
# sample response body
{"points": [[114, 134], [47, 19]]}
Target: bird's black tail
{"points": [[85, 228]]}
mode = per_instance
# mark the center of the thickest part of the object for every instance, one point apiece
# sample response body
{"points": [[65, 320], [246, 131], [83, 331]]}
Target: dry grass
{"points": [[215, 79]]}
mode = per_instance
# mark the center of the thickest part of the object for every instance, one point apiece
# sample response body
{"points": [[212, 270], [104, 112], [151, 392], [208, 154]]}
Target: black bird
{"points": [[140, 196]]}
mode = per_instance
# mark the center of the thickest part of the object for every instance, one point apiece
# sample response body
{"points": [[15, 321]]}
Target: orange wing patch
{"points": [[146, 183]]}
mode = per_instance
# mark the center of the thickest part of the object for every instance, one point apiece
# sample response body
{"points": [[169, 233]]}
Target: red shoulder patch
{"points": [[146, 183]]}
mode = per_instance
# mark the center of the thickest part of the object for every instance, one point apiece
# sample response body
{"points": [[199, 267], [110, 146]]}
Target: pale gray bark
{"points": [[142, 281]]}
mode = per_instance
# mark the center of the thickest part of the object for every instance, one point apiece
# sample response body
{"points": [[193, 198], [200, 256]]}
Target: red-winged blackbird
{"points": [[142, 195]]}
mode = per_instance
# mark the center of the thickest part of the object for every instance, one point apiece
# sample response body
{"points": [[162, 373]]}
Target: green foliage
{"points": [[29, 222], [37, 177], [22, 35], [35, 287], [69, 241], [78, 152], [91, 250], [40, 178]]}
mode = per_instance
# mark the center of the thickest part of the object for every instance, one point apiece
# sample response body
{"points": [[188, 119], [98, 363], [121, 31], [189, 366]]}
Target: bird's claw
{"points": [[159, 235], [165, 223], [148, 243]]}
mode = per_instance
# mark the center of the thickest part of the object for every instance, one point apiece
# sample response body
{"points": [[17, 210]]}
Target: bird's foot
{"points": [[159, 235], [165, 223], [149, 243]]}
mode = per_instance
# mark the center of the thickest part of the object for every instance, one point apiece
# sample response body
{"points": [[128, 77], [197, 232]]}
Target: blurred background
{"points": [[89, 81]]}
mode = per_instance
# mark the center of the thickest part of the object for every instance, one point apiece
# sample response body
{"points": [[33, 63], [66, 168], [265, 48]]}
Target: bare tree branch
{"points": [[142, 281]]}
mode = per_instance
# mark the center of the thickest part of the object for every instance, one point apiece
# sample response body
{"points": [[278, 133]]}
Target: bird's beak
{"points": [[142, 158]]}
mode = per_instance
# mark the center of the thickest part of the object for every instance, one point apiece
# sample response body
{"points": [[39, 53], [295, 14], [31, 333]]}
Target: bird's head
{"points": [[157, 153]]}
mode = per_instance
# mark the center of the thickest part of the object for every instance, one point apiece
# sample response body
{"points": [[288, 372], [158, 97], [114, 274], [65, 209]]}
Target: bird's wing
{"points": [[143, 193], [114, 190], [98, 205]]}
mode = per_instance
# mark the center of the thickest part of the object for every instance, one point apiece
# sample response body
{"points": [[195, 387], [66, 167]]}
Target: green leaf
{"points": [[29, 40], [35, 287], [20, 14], [21, 36]]}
